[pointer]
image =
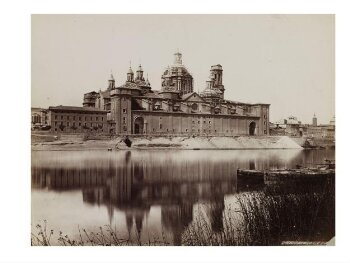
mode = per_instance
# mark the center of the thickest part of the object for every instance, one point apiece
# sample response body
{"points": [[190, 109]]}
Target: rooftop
{"points": [[76, 109]]}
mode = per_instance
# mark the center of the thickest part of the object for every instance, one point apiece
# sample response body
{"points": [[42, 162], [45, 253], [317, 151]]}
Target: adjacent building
{"points": [[68, 119], [38, 117], [134, 108]]}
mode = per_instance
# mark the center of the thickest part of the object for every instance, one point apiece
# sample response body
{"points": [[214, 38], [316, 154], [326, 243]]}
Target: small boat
{"points": [[285, 176]]}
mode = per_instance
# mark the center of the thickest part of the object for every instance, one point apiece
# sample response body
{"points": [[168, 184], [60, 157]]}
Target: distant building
{"points": [[314, 121], [290, 127], [68, 119], [134, 108]]}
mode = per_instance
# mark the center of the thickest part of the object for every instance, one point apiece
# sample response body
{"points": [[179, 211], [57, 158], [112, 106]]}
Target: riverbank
{"points": [[190, 143]]}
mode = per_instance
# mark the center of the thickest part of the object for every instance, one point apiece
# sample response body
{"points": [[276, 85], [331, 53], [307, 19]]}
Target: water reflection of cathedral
{"points": [[134, 185]]}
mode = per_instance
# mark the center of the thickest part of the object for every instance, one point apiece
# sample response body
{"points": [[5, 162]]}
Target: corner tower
{"points": [[216, 73]]}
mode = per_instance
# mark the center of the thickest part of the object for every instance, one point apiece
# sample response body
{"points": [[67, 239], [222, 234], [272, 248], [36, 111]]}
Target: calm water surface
{"points": [[145, 193]]}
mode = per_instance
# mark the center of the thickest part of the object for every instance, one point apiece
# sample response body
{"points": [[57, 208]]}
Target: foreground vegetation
{"points": [[266, 217]]}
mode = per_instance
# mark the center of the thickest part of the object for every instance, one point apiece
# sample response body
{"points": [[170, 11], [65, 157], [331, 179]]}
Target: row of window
{"points": [[57, 129], [203, 122], [80, 124], [79, 118], [194, 130]]}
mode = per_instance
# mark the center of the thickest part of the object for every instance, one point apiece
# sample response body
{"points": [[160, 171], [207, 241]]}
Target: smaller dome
{"points": [[139, 68], [130, 71], [209, 93]]}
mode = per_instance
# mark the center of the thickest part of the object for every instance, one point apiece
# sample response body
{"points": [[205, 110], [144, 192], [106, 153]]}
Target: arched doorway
{"points": [[138, 125], [252, 126]]}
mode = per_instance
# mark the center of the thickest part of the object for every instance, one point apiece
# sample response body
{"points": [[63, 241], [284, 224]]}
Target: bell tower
{"points": [[216, 74], [130, 75], [111, 82], [139, 73]]}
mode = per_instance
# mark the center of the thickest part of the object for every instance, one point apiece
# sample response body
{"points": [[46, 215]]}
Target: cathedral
{"points": [[135, 108]]}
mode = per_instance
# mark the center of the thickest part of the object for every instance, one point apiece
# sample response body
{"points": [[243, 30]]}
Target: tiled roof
{"points": [[130, 85], [152, 95], [186, 96], [76, 109], [236, 102]]}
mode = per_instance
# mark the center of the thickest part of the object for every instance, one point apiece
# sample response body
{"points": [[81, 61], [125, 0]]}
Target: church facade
{"points": [[134, 108]]}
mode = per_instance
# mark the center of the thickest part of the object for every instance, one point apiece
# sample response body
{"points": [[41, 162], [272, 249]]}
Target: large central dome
{"points": [[176, 77]]}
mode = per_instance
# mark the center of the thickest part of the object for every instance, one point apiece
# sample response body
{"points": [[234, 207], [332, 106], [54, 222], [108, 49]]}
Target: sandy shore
{"points": [[238, 142]]}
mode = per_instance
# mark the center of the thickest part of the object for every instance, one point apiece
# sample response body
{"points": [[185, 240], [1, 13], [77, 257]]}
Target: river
{"points": [[143, 193]]}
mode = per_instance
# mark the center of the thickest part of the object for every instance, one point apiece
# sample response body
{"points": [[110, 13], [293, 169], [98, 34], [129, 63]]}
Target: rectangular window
{"points": [[265, 132], [90, 118], [209, 122], [73, 118], [160, 126], [102, 118], [79, 124], [186, 129], [68, 118], [124, 120], [55, 123], [96, 118], [79, 118], [124, 110], [68, 124], [55, 117], [264, 116], [61, 117], [199, 122], [91, 124]]}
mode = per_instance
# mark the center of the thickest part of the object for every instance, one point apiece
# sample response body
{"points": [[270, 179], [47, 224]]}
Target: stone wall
{"points": [[195, 124]]}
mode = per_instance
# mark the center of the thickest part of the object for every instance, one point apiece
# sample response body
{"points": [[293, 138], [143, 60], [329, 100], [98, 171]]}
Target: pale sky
{"points": [[285, 60]]}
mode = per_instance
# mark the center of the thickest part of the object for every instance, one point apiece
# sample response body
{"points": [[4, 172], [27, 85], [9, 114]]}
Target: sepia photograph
{"points": [[183, 130]]}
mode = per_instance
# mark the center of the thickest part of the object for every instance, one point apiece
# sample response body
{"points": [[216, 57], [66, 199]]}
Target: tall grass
{"points": [[105, 236], [270, 217]]}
